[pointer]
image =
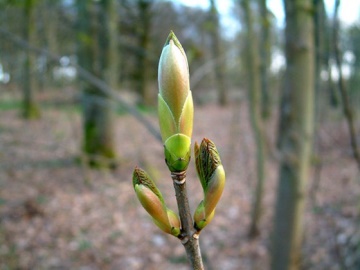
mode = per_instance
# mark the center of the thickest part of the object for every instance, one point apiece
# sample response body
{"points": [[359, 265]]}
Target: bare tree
{"points": [[295, 135], [143, 34], [219, 67], [254, 93], [344, 95], [30, 107], [98, 124], [265, 56]]}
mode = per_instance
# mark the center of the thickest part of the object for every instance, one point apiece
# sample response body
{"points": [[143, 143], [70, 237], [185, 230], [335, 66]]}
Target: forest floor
{"points": [[58, 214]]}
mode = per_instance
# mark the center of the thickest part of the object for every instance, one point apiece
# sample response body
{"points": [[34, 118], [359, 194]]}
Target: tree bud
{"points": [[175, 105], [152, 200], [212, 177]]}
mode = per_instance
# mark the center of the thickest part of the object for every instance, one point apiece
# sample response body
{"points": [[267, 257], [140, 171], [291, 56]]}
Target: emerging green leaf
{"points": [[152, 200], [212, 177]]}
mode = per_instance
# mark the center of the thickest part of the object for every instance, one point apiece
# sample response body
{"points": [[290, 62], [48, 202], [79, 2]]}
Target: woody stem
{"points": [[188, 236]]}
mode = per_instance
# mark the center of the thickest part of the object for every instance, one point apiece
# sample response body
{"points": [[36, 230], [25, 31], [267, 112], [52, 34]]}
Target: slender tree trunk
{"points": [[50, 21], [254, 85], [348, 112], [295, 135], [110, 48], [319, 37], [265, 54], [219, 67], [98, 124], [143, 62], [30, 107]]}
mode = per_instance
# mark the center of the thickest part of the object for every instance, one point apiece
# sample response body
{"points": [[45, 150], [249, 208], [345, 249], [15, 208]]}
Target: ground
{"points": [[56, 213]]}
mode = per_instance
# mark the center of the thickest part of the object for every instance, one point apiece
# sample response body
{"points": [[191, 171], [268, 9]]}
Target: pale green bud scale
{"points": [[185, 125], [177, 152], [168, 126]]}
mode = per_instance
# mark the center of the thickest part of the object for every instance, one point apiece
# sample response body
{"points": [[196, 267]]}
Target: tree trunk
{"points": [[50, 21], [348, 112], [108, 40], [254, 86], [295, 135], [142, 60], [219, 67], [30, 107], [265, 54], [98, 122]]}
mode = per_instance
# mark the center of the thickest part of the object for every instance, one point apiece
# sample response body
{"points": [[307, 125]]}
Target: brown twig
{"points": [[189, 237]]}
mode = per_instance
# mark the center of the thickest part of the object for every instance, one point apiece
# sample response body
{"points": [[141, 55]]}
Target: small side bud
{"points": [[212, 177], [152, 200]]}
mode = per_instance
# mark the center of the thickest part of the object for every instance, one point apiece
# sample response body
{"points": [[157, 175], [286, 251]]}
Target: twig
{"points": [[189, 237]]}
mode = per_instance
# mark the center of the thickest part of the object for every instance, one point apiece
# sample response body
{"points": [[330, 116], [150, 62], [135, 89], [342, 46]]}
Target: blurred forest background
{"points": [[78, 93]]}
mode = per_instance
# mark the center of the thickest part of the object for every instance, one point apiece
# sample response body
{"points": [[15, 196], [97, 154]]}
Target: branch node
{"points": [[184, 240], [179, 177], [196, 235]]}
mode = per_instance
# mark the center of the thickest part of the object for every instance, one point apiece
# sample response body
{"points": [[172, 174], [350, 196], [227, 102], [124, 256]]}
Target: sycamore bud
{"points": [[152, 200], [212, 177], [175, 105]]}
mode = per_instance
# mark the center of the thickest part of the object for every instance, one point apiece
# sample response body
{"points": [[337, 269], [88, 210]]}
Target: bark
{"points": [[348, 111], [30, 107], [265, 54], [98, 123], [319, 38], [295, 135], [219, 67], [319, 46], [189, 238], [49, 36], [143, 32], [254, 86], [108, 40]]}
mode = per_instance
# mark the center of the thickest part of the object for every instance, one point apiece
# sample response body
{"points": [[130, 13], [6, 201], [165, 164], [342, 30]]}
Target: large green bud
{"points": [[152, 200], [212, 177], [175, 105]]}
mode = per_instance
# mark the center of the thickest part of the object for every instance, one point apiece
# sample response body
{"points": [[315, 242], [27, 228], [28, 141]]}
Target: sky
{"points": [[349, 11]]}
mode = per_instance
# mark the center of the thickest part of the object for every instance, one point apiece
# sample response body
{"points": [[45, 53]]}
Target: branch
{"points": [[88, 77], [189, 237]]}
